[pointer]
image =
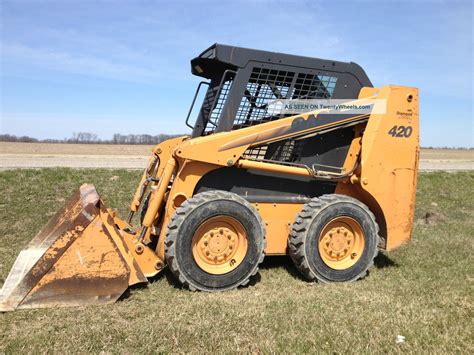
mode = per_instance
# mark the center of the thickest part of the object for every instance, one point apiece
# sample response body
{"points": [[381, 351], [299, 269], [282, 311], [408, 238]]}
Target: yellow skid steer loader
{"points": [[267, 170]]}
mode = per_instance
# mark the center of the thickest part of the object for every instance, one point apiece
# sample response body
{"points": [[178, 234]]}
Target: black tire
{"points": [[304, 238], [187, 219]]}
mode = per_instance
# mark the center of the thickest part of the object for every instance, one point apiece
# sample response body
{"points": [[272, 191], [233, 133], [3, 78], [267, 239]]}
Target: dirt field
{"points": [[74, 149], [44, 155], [48, 155]]}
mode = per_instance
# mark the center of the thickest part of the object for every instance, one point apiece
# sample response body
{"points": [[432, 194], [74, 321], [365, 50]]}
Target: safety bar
{"points": [[194, 100]]}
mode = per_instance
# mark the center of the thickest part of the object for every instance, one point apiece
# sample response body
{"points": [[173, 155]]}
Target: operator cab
{"points": [[241, 83]]}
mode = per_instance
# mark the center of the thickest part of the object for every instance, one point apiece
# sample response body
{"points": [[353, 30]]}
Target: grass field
{"points": [[423, 291]]}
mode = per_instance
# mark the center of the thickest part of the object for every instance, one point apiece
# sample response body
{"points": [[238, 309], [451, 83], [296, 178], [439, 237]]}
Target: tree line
{"points": [[92, 138], [117, 138]]}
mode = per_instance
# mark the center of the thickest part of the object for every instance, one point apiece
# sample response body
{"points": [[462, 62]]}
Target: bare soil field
{"points": [[73, 149], [47, 155], [447, 154]]}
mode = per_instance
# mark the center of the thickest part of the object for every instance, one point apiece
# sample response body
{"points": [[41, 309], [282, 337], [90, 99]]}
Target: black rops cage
{"points": [[243, 81]]}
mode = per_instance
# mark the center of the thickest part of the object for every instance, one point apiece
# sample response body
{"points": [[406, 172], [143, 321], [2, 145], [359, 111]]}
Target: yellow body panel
{"points": [[389, 165], [278, 218], [385, 179]]}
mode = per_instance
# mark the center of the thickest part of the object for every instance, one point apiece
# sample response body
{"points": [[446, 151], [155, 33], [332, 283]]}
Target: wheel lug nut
{"points": [[221, 231], [228, 236], [353, 255]]}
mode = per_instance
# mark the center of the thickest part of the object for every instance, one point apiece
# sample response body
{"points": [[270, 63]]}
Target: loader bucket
{"points": [[78, 258]]}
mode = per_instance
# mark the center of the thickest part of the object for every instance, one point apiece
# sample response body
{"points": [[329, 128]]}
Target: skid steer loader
{"points": [[328, 187]]}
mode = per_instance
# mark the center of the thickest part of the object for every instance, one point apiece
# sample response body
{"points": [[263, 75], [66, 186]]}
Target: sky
{"points": [[123, 66]]}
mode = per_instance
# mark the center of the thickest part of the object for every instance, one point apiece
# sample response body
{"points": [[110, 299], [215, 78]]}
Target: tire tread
{"points": [[181, 214], [297, 238]]}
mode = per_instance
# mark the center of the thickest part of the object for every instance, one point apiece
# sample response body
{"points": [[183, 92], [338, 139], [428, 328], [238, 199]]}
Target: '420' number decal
{"points": [[401, 131]]}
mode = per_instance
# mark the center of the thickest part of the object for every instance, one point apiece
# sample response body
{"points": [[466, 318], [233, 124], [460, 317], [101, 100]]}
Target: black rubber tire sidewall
{"points": [[191, 223], [315, 261]]}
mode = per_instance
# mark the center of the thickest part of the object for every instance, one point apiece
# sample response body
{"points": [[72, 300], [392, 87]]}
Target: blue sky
{"points": [[123, 66]]}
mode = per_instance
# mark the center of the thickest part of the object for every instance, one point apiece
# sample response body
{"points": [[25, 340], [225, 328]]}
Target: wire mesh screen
{"points": [[264, 86], [268, 85], [216, 98], [312, 86], [286, 151], [207, 104]]}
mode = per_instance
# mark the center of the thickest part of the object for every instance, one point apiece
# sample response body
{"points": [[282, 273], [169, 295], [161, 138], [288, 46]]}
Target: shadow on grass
{"points": [[382, 261], [283, 261], [144, 286], [172, 281]]}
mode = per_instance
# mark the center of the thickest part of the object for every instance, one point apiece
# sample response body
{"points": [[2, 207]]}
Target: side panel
{"points": [[278, 218], [389, 163]]}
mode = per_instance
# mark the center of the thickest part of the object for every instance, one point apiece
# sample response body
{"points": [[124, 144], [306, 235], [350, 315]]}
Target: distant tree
{"points": [[89, 138], [13, 138], [84, 137]]}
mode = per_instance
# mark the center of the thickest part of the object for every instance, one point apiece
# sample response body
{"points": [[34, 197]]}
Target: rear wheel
{"points": [[334, 239], [215, 241]]}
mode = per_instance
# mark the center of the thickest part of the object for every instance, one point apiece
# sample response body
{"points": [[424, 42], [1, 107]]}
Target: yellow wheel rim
{"points": [[341, 243], [219, 245]]}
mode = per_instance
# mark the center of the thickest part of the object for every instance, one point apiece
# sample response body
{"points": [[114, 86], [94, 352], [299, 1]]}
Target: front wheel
{"points": [[215, 242], [334, 239]]}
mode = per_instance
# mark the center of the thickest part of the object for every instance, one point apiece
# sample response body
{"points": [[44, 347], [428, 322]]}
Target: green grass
{"points": [[422, 291]]}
